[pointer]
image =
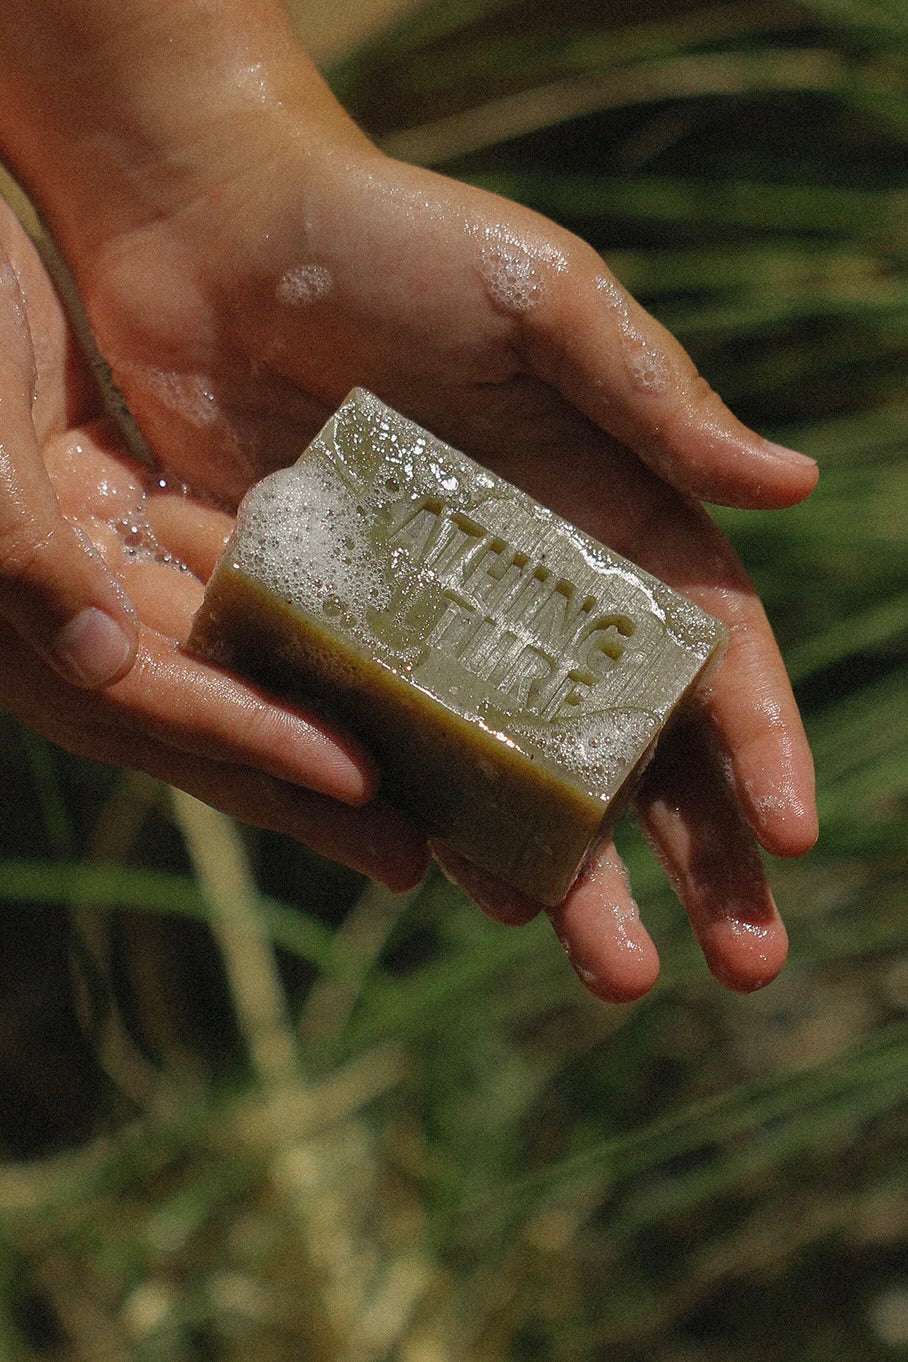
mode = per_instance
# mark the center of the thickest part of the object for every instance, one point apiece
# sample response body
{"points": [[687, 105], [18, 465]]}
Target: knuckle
{"points": [[703, 398]]}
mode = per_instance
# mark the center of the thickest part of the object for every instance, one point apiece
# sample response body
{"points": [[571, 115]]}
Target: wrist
{"points": [[111, 131]]}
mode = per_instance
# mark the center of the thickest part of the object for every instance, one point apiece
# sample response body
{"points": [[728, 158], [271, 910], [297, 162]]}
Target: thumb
{"points": [[55, 590], [58, 594], [613, 360]]}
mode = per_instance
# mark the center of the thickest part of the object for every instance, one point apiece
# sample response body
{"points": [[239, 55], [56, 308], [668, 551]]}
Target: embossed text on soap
{"points": [[508, 619]]}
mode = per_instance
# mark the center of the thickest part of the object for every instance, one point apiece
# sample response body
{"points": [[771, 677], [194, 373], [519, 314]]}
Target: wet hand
{"points": [[235, 325], [102, 565]]}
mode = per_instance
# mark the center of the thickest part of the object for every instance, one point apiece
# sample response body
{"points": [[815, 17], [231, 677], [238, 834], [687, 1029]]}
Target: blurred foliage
{"points": [[252, 1107]]}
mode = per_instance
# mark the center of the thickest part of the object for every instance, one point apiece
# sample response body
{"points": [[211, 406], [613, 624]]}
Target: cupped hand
{"points": [[101, 571], [237, 321]]}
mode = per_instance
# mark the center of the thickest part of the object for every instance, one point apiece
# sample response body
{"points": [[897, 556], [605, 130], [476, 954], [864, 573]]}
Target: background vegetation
{"points": [[251, 1107]]}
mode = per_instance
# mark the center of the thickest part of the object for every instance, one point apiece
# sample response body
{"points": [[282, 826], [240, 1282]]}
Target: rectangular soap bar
{"points": [[509, 673]]}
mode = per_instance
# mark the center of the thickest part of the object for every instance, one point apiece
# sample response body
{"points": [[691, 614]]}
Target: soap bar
{"points": [[510, 674]]}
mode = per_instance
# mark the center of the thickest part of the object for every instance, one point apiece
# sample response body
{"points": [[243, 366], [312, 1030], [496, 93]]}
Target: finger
{"points": [[55, 591], [374, 840], [759, 727], [195, 540], [91, 476], [166, 596], [96, 487], [599, 926], [176, 703], [497, 900], [611, 359], [114, 726], [202, 711], [749, 697], [690, 815], [105, 541]]}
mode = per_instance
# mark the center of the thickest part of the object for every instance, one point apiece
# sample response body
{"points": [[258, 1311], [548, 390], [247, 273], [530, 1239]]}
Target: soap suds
{"points": [[686, 623], [115, 519], [598, 746], [140, 543], [297, 533], [229, 436], [515, 272], [645, 361], [304, 284]]}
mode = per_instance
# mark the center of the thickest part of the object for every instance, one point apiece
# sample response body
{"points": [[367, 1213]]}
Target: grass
{"points": [[254, 1107]]}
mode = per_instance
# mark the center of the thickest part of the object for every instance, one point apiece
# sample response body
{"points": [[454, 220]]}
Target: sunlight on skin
{"points": [[599, 927]]}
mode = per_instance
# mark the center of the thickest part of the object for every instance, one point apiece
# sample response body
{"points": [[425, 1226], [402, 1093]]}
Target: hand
{"points": [[238, 321], [94, 607]]}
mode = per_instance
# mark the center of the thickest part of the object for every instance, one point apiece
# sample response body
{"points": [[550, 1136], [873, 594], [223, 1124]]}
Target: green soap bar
{"points": [[509, 673]]}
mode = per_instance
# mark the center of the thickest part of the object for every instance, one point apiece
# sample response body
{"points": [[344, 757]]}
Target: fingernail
{"points": [[92, 648], [790, 456]]}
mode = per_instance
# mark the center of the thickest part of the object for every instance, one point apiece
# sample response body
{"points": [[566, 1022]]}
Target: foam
{"points": [[686, 624], [141, 544], [515, 272], [304, 284], [600, 746], [299, 534], [646, 363]]}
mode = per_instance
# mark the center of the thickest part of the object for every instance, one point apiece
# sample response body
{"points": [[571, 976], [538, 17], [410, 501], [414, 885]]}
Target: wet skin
{"points": [[240, 289]]}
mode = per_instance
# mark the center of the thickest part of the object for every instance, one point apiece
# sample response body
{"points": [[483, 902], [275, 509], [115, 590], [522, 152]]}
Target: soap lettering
{"points": [[486, 642], [559, 618], [604, 639], [510, 622], [526, 678], [454, 625], [495, 573], [417, 527]]}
